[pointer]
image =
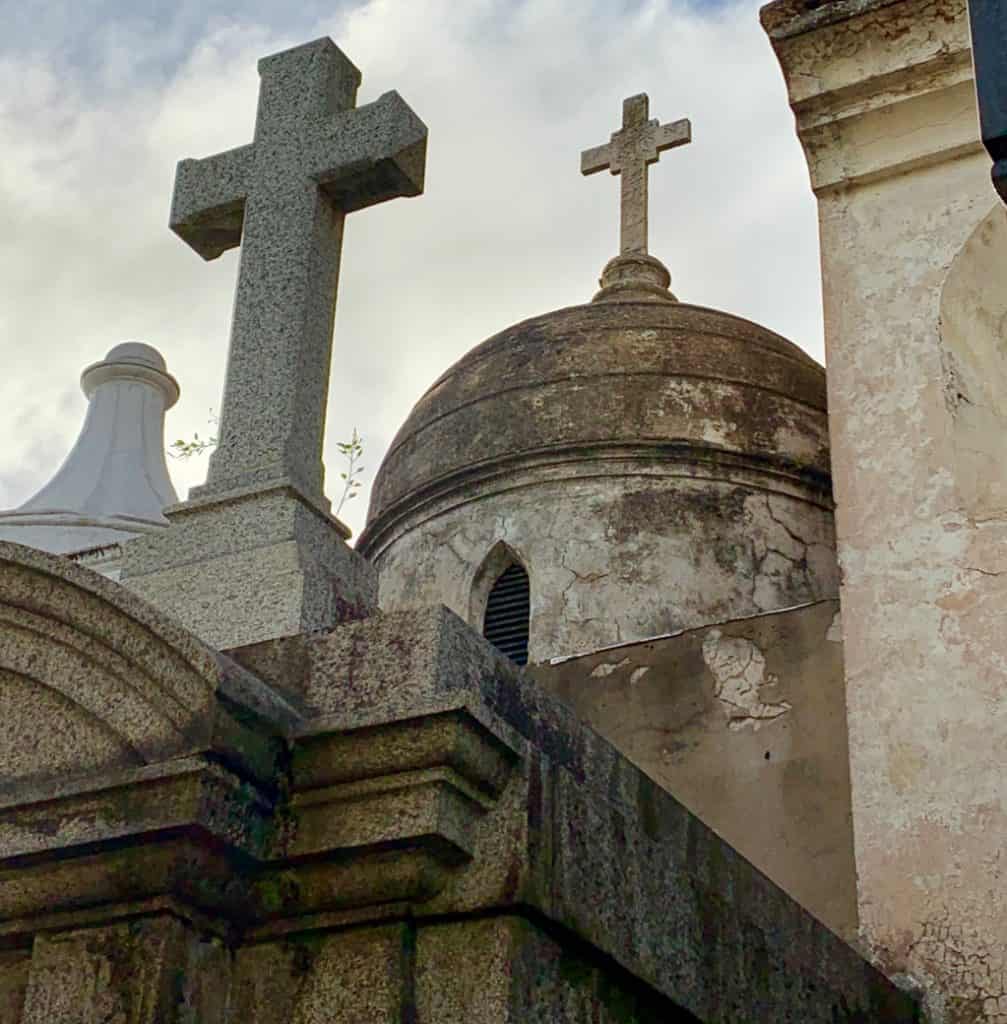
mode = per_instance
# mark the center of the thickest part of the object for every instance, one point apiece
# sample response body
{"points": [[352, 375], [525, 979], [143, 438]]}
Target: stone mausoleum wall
{"points": [[387, 822], [745, 722]]}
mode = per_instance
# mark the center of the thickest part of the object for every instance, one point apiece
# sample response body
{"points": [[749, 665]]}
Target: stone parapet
{"points": [[426, 836]]}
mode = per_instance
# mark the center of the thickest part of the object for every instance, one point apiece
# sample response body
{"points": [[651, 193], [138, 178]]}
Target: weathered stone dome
{"points": [[602, 375], [653, 465]]}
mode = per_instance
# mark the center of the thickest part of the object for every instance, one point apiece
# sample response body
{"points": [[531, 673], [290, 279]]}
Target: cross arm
{"points": [[208, 205], [597, 159], [678, 133], [371, 154]]}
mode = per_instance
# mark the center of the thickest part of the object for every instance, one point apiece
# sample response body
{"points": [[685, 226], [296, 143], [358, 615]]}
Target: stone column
{"points": [[913, 249]]}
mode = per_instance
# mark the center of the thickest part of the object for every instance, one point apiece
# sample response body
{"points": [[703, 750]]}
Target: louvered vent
{"points": [[508, 611]]}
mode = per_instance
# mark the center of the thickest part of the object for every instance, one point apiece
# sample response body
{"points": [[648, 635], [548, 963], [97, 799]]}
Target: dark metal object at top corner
{"points": [[988, 19]]}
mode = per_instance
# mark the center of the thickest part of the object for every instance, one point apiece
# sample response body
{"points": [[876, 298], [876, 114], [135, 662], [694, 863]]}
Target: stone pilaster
{"points": [[913, 255]]}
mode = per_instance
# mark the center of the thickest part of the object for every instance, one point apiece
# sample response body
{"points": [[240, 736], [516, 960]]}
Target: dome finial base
{"points": [[635, 277]]}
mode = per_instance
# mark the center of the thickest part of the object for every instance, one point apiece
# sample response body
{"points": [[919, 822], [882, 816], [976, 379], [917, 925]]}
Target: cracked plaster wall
{"points": [[745, 723], [913, 262], [622, 557]]}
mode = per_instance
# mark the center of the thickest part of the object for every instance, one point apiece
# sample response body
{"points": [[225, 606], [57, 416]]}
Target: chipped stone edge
{"points": [[784, 19]]}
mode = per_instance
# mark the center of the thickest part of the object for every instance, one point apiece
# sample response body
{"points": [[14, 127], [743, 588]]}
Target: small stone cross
{"points": [[629, 152], [284, 197]]}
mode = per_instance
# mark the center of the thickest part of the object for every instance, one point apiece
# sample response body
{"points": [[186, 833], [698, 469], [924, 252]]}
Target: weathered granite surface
{"points": [[251, 565], [284, 198], [95, 681], [402, 826]]}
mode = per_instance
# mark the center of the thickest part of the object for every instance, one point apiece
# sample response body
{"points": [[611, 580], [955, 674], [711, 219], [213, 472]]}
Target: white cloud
{"points": [[507, 229]]}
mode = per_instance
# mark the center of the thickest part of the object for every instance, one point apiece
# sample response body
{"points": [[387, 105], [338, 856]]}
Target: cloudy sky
{"points": [[100, 98]]}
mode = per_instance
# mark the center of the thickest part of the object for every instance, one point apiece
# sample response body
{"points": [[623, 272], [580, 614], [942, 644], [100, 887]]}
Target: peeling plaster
{"points": [[739, 671], [608, 668], [835, 631]]}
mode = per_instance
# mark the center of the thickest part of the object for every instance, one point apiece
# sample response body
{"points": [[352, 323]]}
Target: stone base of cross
{"points": [[255, 553], [251, 566]]}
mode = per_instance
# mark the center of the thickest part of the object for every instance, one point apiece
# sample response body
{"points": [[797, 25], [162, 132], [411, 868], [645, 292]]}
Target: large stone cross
{"points": [[629, 153], [283, 198]]}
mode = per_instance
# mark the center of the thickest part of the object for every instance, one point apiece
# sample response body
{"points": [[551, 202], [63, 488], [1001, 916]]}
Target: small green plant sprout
{"points": [[182, 449], [186, 449], [352, 451]]}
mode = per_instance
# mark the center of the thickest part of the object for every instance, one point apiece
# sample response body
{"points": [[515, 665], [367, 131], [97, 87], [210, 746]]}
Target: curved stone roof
{"points": [[656, 375]]}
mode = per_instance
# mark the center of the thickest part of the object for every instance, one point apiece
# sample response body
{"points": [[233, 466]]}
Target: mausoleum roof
{"points": [[633, 372]]}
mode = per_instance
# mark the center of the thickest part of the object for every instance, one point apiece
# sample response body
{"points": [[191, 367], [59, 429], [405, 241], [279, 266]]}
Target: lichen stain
{"points": [[905, 763], [711, 515]]}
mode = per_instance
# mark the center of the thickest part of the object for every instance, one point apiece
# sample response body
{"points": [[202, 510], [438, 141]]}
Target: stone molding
{"points": [[776, 475], [875, 90], [109, 657]]}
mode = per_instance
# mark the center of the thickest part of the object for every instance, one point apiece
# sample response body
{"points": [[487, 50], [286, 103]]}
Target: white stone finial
{"points": [[114, 484]]}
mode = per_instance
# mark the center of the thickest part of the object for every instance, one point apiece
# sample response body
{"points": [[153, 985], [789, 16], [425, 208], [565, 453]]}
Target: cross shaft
{"points": [[629, 153]]}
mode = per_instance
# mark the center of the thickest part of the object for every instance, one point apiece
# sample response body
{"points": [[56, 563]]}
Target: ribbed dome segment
{"points": [[608, 374]]}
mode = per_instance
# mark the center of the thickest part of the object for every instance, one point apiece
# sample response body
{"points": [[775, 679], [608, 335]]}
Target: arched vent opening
{"points": [[508, 614]]}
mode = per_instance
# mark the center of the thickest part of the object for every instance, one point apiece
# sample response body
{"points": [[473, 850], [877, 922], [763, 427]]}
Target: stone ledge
{"points": [[189, 794], [584, 839], [786, 18], [879, 88]]}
